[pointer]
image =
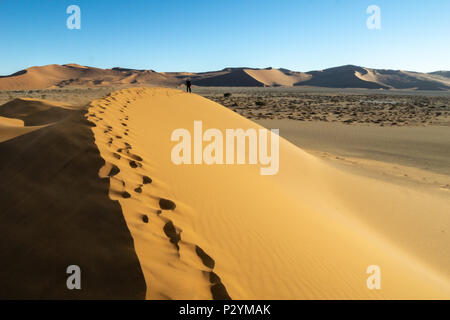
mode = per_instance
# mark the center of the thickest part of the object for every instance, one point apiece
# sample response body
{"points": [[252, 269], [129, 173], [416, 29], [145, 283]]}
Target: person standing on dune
{"points": [[188, 86]]}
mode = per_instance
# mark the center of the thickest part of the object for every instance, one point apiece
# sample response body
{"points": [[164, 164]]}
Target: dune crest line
{"points": [[140, 196]]}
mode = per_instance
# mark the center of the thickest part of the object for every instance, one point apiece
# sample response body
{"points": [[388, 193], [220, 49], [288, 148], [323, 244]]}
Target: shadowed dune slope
{"points": [[233, 77], [11, 129], [219, 232], [350, 76], [404, 79], [445, 74], [340, 77], [275, 77], [34, 111], [55, 212]]}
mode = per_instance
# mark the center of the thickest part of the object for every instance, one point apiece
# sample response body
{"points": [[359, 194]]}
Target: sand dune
{"points": [[444, 74], [37, 77], [207, 231], [247, 77], [348, 76], [342, 77], [232, 77], [403, 79], [79, 76], [74, 75], [103, 179], [274, 77]]}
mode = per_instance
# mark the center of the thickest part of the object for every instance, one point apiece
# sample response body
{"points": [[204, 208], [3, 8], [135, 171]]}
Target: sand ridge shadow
{"points": [[44, 227]]}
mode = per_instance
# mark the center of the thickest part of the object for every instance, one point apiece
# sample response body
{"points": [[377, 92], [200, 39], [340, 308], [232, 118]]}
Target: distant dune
{"points": [[232, 77], [445, 74], [73, 75], [245, 77], [404, 79], [342, 77], [79, 76]]}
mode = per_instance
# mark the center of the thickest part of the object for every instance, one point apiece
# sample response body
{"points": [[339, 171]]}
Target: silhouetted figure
{"points": [[188, 86]]}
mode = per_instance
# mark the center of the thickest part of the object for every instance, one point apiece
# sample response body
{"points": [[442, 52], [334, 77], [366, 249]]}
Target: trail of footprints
{"points": [[217, 288]]}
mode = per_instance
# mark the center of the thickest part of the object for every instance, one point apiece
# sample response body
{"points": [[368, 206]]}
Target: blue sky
{"points": [[207, 35]]}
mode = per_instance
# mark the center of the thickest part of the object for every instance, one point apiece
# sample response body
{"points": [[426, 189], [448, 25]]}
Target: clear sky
{"points": [[204, 35]]}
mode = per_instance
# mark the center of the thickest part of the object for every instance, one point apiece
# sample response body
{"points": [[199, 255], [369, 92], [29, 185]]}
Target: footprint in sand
{"points": [[114, 171], [134, 164], [135, 157], [171, 233], [126, 195], [206, 259], [146, 180], [117, 156], [214, 278], [166, 204], [218, 290]]}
